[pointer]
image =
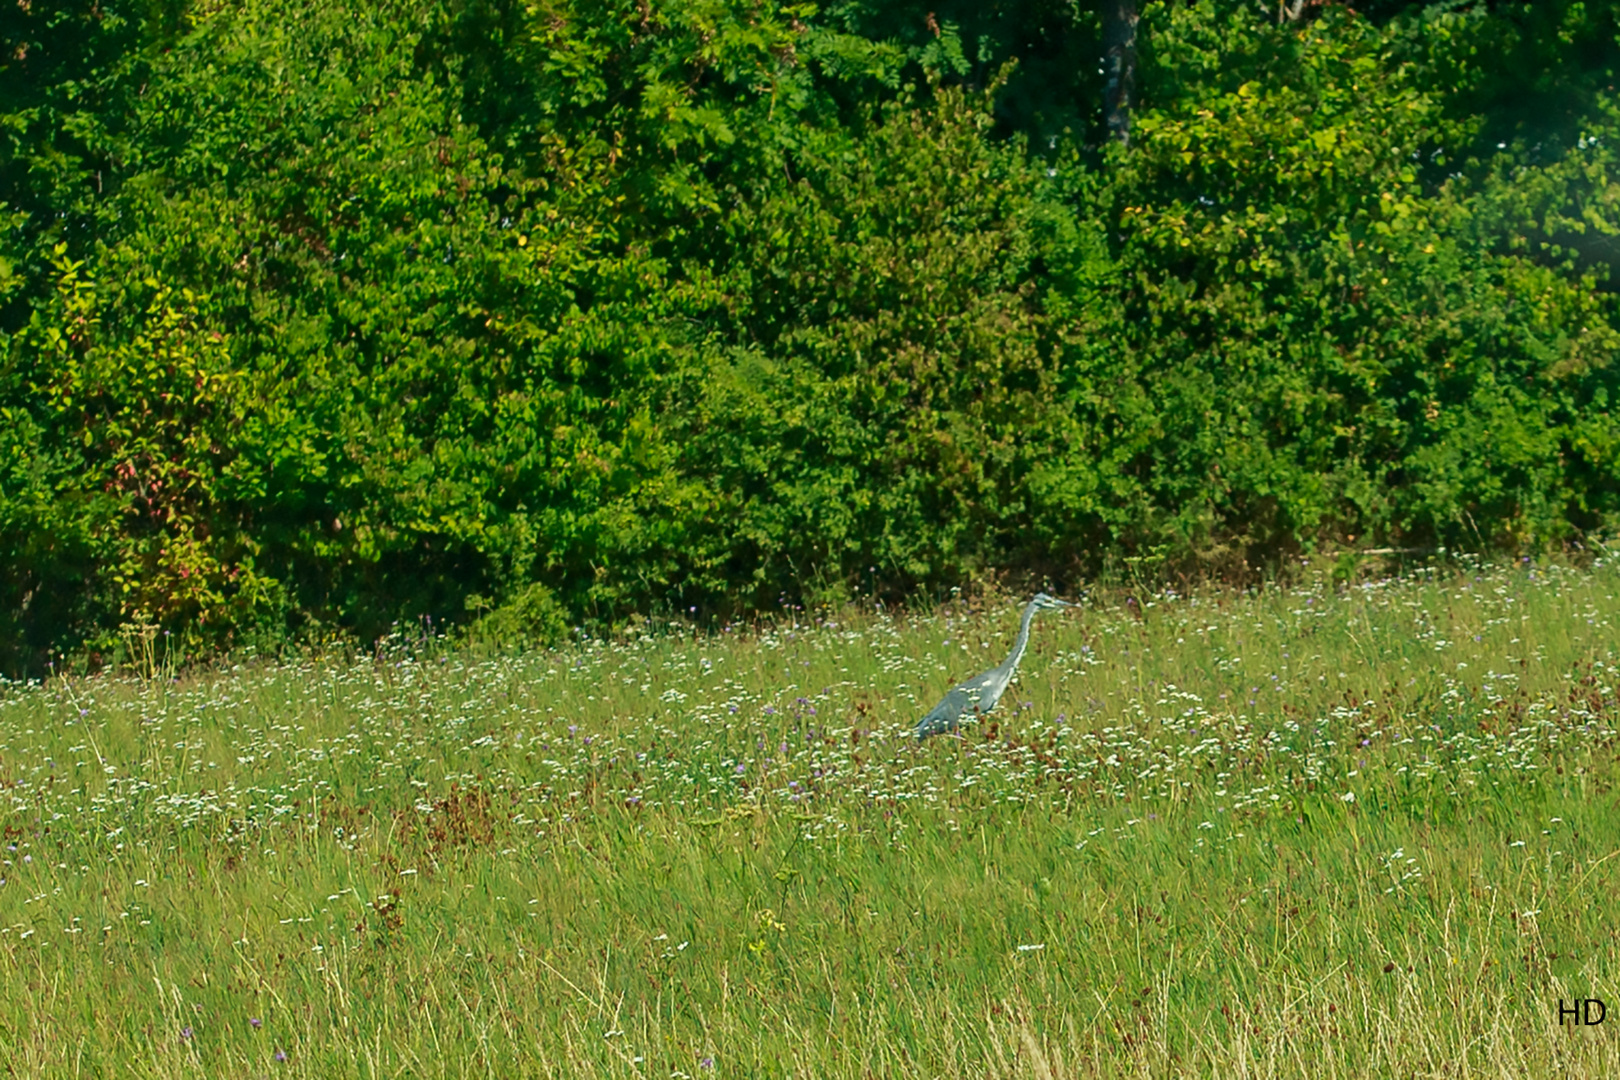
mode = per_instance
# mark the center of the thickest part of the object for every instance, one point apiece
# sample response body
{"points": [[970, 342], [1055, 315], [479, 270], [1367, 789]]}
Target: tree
{"points": [[1119, 45]]}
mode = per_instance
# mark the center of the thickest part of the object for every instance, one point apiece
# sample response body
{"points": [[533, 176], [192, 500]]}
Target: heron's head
{"points": [[1044, 601]]}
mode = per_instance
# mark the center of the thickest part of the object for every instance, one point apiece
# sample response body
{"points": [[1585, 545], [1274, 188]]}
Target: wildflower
{"points": [[706, 1063], [741, 768], [280, 1055], [256, 1022], [185, 1032]]}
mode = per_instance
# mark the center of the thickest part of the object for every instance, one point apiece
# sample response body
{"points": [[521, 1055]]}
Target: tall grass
{"points": [[1330, 832]]}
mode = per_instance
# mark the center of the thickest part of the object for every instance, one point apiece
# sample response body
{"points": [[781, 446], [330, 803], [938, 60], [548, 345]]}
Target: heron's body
{"points": [[979, 694]]}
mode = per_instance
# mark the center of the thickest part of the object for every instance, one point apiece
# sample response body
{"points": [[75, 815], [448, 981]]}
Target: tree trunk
{"points": [[1293, 12], [1119, 51]]}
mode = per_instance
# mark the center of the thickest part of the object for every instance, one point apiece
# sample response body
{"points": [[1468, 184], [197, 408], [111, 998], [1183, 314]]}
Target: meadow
{"points": [[1331, 830]]}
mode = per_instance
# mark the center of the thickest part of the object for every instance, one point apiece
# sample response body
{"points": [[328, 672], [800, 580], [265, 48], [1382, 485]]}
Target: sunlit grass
{"points": [[1326, 832]]}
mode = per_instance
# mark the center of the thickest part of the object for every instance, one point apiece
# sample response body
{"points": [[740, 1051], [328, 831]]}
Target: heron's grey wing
{"points": [[992, 693], [944, 716], [964, 697]]}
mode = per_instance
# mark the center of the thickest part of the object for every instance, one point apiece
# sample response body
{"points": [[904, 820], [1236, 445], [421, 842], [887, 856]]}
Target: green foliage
{"points": [[533, 617], [129, 451], [1319, 346], [70, 72], [330, 315], [891, 386]]}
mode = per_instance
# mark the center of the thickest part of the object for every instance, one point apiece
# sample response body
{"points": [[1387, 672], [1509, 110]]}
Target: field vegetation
{"points": [[1340, 830], [487, 486]]}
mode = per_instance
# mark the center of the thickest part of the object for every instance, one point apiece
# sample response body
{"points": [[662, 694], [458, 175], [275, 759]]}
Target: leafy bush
{"points": [[1323, 347], [532, 617], [334, 315]]}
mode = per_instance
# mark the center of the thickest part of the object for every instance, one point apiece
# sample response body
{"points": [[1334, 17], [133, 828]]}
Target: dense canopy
{"points": [[320, 315]]}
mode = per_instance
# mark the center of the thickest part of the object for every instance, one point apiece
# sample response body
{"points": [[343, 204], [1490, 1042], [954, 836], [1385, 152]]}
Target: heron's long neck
{"points": [[1023, 640]]}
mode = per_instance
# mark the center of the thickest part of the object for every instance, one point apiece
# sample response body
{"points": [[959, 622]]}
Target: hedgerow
{"points": [[321, 316]]}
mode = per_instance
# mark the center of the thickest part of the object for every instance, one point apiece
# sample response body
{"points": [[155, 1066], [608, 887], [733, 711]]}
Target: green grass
{"points": [[1363, 832]]}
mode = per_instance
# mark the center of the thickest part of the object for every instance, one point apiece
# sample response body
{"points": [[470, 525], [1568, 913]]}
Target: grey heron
{"points": [[979, 694]]}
